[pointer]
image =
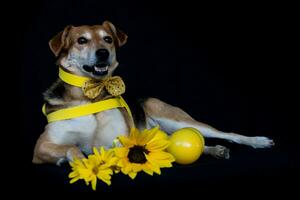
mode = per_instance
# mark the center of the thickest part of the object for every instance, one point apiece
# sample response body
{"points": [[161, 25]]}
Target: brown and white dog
{"points": [[90, 51]]}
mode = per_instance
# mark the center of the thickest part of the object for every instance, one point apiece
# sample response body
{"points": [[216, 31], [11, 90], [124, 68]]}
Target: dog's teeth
{"points": [[102, 69]]}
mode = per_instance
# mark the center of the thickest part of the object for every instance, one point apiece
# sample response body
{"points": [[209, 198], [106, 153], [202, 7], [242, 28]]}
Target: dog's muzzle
{"points": [[101, 67]]}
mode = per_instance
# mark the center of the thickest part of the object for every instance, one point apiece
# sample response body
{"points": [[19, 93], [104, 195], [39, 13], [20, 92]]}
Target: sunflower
{"points": [[97, 165], [143, 151]]}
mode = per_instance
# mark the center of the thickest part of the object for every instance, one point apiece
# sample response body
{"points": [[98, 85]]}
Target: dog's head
{"points": [[88, 50]]}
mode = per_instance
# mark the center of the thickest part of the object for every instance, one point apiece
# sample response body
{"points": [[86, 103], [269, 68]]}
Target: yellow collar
{"points": [[72, 79], [85, 109]]}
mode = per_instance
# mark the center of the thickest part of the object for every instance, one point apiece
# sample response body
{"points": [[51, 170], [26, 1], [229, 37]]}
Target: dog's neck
{"points": [[62, 94], [73, 85]]}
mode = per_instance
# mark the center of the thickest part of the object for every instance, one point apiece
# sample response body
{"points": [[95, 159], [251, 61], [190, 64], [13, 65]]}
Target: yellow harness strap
{"points": [[86, 109]]}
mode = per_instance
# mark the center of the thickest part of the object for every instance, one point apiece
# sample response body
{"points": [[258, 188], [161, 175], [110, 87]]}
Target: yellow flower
{"points": [[143, 151], [95, 166]]}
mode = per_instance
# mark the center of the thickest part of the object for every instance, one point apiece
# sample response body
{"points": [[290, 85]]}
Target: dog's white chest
{"points": [[111, 124], [89, 131]]}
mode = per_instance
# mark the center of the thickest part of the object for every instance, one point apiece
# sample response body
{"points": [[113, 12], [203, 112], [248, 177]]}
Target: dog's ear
{"points": [[60, 41], [119, 36]]}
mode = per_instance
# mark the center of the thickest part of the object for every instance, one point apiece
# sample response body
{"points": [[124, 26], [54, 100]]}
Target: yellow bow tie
{"points": [[113, 85]]}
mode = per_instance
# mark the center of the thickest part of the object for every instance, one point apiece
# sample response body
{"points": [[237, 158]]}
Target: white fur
{"points": [[111, 124], [102, 33], [79, 131], [89, 131], [87, 35], [260, 142]]}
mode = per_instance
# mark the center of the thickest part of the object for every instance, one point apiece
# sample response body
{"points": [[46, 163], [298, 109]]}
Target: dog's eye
{"points": [[82, 40], [108, 39]]}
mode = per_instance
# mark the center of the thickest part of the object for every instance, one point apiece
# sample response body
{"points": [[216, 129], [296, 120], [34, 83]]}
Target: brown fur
{"points": [[44, 151]]}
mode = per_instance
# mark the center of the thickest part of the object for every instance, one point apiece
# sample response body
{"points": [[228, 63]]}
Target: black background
{"points": [[228, 65]]}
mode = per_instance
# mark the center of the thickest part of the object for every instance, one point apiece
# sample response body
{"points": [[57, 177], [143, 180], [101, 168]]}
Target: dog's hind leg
{"points": [[217, 151], [171, 118]]}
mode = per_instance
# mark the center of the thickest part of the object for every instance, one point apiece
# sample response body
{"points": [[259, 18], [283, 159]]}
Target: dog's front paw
{"points": [[261, 142], [74, 153]]}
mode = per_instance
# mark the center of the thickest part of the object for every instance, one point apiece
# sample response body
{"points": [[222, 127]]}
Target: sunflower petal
{"points": [[109, 154], [102, 150], [121, 162], [161, 135], [121, 152], [164, 163], [108, 182], [112, 161], [96, 152], [132, 175], [153, 165], [75, 162], [136, 167], [134, 134], [86, 163], [147, 168], [157, 145], [104, 176], [147, 135], [73, 174], [127, 168], [162, 159], [125, 141], [161, 155], [94, 182], [74, 180], [155, 168]]}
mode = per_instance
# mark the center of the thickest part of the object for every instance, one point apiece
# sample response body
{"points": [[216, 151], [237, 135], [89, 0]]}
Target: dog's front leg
{"points": [[48, 152]]}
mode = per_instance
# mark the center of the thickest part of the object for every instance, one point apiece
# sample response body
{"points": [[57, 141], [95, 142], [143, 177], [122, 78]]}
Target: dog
{"points": [[90, 51]]}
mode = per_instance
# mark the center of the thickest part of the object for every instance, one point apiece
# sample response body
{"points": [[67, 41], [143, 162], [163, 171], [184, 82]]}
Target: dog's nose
{"points": [[102, 54]]}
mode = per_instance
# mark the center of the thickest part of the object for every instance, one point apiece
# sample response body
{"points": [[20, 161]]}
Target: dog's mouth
{"points": [[99, 69]]}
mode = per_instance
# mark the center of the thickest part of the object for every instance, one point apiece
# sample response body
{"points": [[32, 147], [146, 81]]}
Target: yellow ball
{"points": [[187, 144]]}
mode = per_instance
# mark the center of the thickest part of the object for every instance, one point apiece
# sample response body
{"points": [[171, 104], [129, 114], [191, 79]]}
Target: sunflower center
{"points": [[95, 170], [136, 154]]}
